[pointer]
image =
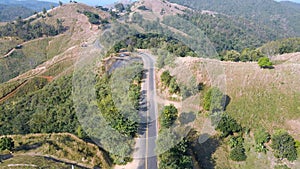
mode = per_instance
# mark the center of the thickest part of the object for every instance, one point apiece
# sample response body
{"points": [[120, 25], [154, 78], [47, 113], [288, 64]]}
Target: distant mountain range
{"points": [[11, 9]]}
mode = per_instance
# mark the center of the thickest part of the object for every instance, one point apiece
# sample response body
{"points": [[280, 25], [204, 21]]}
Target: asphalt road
{"points": [[145, 145]]}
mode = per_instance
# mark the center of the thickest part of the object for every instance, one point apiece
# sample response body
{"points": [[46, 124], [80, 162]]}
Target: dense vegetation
{"points": [[147, 41], [118, 96], [6, 143], [94, 18], [27, 30], [10, 13], [12, 9], [289, 45], [227, 33], [279, 18], [177, 157], [246, 55], [45, 111], [113, 116]]}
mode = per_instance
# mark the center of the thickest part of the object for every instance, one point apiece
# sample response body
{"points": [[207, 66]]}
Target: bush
{"points": [[170, 82], [238, 154], [261, 137], [284, 145], [6, 143], [265, 62], [168, 116], [227, 125]]}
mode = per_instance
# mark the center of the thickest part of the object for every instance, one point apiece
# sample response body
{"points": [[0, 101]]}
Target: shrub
{"points": [[284, 145], [6, 143], [238, 154], [265, 62], [261, 137], [168, 116]]}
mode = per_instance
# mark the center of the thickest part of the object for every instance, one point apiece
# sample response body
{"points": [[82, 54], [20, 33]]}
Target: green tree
{"points": [[265, 62], [44, 10], [227, 125], [6, 143], [60, 3], [168, 116], [284, 145], [120, 7], [166, 78], [232, 55], [173, 86]]}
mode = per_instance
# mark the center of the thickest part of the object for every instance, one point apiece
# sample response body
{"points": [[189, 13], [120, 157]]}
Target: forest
{"points": [[279, 17], [26, 30], [228, 33]]}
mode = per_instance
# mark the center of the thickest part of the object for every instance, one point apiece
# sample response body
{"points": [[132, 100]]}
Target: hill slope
{"points": [[11, 9], [282, 18]]}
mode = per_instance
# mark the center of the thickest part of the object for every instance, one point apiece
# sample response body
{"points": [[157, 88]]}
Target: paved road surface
{"points": [[145, 146]]}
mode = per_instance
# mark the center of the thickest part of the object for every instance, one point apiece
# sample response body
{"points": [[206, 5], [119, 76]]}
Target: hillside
{"points": [[77, 81], [43, 64], [12, 9], [277, 16], [11, 12], [258, 98]]}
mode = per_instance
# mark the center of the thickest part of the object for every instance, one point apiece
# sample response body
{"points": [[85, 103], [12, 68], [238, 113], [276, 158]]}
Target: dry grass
{"points": [[63, 146], [268, 98]]}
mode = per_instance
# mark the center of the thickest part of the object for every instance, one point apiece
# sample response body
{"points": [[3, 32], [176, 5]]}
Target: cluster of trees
{"points": [[245, 56], [110, 112], [147, 41], [49, 110], [168, 116], [255, 13], [289, 45], [227, 33], [10, 12], [170, 82], [27, 31], [6, 143], [94, 18], [177, 157], [228, 126]]}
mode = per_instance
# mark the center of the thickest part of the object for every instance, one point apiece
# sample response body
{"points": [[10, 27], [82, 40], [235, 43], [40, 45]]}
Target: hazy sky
{"points": [[105, 2]]}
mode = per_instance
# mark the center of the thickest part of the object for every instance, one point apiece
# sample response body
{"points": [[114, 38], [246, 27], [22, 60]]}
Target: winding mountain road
{"points": [[145, 143]]}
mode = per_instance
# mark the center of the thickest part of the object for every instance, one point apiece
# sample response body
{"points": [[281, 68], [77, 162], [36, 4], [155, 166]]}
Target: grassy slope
{"points": [[259, 97], [63, 146]]}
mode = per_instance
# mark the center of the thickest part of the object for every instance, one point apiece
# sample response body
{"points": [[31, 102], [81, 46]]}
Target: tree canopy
{"points": [[284, 145]]}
